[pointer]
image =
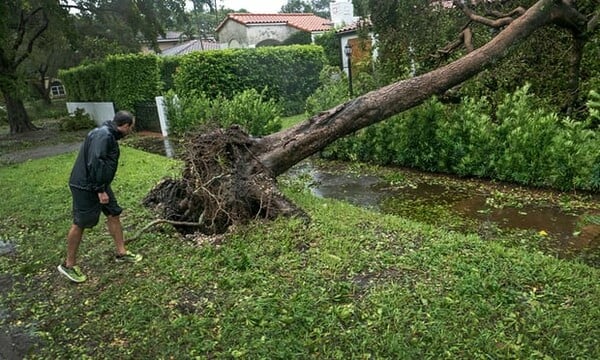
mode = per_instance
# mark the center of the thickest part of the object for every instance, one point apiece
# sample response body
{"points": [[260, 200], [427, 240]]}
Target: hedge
{"points": [[132, 79], [289, 73], [85, 82]]}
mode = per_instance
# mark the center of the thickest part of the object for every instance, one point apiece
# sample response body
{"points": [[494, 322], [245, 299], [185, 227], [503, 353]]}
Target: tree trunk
{"points": [[17, 115], [230, 177]]}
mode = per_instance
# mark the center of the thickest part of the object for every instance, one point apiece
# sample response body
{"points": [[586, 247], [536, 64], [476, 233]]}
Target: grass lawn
{"points": [[351, 284], [289, 121]]}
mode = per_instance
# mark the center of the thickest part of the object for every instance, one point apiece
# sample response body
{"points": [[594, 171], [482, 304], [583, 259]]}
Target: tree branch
{"points": [[34, 37], [500, 20], [157, 222]]}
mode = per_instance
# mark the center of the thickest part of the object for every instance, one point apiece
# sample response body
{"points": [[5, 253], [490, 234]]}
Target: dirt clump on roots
{"points": [[222, 184]]}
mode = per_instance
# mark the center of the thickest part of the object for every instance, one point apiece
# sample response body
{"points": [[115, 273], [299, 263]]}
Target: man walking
{"points": [[90, 180]]}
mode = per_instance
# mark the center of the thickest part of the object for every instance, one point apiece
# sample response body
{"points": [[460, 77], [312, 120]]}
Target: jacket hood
{"points": [[112, 127]]}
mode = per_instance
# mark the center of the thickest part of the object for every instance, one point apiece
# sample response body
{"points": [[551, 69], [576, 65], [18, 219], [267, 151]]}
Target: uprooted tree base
{"points": [[222, 184]]}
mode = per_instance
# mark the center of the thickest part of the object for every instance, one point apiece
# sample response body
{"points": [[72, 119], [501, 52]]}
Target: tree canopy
{"points": [[31, 31]]}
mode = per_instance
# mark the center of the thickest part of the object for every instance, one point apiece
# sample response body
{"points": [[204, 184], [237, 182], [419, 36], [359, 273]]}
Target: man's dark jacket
{"points": [[98, 159]]}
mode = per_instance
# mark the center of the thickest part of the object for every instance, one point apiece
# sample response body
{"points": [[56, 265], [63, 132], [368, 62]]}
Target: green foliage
{"points": [[123, 79], [332, 48], [86, 82], [168, 68], [417, 137], [593, 105], [411, 32], [78, 121], [281, 289], [524, 144], [132, 79], [249, 109], [289, 73], [332, 91], [298, 38], [466, 139]]}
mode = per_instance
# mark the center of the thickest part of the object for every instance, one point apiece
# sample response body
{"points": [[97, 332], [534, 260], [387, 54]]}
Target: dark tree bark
{"points": [[18, 119], [31, 26], [230, 177]]}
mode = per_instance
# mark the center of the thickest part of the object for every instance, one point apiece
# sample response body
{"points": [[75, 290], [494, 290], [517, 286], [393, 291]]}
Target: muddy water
{"points": [[563, 228]]}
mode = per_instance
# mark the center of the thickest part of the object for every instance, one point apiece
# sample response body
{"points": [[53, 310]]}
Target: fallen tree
{"points": [[230, 177]]}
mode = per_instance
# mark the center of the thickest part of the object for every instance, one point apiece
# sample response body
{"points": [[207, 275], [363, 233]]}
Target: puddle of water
{"points": [[370, 191], [357, 190]]}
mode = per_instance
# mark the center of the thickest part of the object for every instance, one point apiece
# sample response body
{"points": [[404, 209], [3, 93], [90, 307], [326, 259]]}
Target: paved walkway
{"points": [[38, 153]]}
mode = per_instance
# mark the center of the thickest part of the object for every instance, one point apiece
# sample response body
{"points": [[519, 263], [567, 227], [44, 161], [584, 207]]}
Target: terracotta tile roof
{"points": [[302, 21], [362, 23], [191, 46]]}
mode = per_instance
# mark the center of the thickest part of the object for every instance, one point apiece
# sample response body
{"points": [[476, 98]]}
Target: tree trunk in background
{"points": [[17, 115]]}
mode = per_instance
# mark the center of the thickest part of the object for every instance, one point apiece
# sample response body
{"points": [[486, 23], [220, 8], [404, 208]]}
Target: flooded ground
{"points": [[566, 225]]}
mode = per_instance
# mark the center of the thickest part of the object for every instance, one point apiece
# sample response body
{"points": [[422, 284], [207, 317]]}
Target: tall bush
{"points": [[86, 82], [289, 73], [168, 67], [250, 109], [523, 144], [466, 139], [133, 78]]}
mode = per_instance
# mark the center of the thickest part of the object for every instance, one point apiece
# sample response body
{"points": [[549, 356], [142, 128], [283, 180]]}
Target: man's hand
{"points": [[103, 197]]}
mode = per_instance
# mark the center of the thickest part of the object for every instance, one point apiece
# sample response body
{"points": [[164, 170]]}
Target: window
{"points": [[57, 89]]}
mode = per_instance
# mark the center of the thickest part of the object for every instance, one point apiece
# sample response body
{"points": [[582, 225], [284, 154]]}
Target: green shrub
{"points": [[331, 47], [132, 78], [249, 109], [168, 67], [78, 121], [415, 142], [593, 105], [524, 144], [524, 135], [122, 79], [466, 139], [332, 91], [86, 82], [290, 73]]}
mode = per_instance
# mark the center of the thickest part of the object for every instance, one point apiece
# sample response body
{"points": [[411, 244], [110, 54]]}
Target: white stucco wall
{"points": [[98, 111], [234, 34]]}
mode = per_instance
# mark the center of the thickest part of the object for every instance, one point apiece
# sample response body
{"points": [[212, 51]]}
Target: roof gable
{"points": [[302, 21]]}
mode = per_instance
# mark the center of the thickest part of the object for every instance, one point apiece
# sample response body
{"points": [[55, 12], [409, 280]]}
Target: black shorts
{"points": [[87, 207]]}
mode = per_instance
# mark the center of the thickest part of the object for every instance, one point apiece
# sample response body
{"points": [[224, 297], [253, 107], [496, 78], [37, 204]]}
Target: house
{"points": [[245, 30], [355, 48], [361, 47], [191, 46], [171, 39]]}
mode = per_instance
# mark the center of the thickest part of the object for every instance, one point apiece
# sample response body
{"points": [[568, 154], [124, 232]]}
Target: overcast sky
{"points": [[253, 6]]}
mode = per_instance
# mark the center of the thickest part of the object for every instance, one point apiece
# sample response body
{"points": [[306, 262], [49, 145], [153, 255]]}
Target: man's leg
{"points": [[70, 268], [116, 231], [73, 240]]}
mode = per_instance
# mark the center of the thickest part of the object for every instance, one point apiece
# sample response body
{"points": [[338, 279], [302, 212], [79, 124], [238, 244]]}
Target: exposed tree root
{"points": [[223, 184], [158, 222]]}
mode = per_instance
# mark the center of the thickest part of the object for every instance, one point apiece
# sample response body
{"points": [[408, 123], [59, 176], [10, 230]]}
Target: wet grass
{"points": [[351, 284]]}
